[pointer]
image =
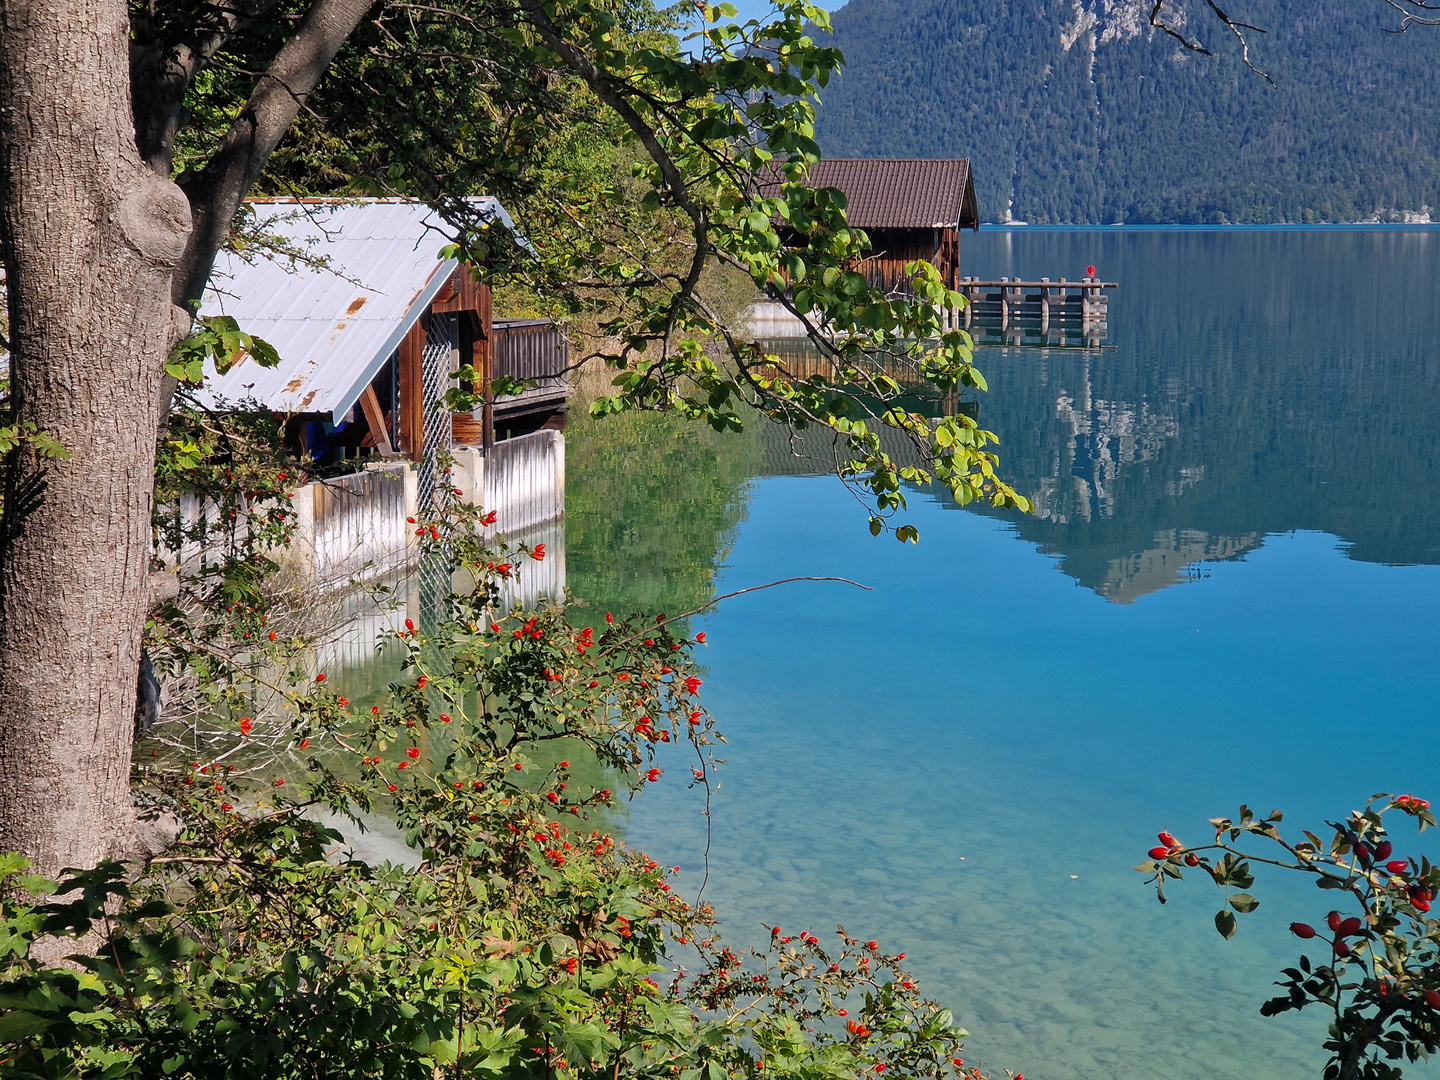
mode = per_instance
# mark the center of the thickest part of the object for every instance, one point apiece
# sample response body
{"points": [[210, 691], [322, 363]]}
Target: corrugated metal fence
{"points": [[525, 480], [358, 525], [525, 486]]}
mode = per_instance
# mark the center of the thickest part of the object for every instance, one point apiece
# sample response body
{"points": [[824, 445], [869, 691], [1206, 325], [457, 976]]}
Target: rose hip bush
{"points": [[525, 941], [1373, 958]]}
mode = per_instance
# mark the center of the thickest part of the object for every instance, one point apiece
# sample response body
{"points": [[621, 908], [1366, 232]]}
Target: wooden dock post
{"points": [[1050, 303]]}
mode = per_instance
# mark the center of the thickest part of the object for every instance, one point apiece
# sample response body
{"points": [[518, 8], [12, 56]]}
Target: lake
{"points": [[1228, 593]]}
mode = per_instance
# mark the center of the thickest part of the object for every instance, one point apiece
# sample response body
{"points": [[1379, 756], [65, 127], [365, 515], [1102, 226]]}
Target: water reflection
{"points": [[968, 760], [1262, 381], [1255, 382]]}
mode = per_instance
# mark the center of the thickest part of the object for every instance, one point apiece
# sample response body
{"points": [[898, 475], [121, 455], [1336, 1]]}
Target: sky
{"points": [[756, 9]]}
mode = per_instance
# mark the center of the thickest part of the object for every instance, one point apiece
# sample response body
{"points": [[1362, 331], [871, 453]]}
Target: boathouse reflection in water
{"points": [[357, 527]]}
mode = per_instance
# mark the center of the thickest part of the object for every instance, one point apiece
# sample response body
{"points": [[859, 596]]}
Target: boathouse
{"points": [[372, 324], [911, 208]]}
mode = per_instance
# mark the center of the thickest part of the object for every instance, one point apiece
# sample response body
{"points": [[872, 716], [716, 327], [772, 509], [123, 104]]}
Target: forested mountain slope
{"points": [[1078, 111]]}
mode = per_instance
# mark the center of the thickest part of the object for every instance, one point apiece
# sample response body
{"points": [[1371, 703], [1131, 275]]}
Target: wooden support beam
{"points": [[375, 417]]}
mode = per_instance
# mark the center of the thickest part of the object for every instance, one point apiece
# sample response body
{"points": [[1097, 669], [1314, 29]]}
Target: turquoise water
{"points": [[1229, 593]]}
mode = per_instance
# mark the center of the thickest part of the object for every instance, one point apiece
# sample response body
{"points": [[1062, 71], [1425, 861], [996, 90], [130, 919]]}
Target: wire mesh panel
{"points": [[436, 362]]}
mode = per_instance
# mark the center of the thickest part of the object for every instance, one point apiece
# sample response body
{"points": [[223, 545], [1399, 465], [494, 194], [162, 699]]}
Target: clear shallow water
{"points": [[1229, 594]]}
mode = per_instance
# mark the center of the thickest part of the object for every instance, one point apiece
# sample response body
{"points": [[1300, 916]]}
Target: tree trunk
{"points": [[91, 240]]}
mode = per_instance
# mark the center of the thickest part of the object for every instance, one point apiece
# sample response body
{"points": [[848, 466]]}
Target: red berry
{"points": [[872, 945], [1334, 919], [1433, 998], [1191, 859], [413, 752], [1397, 866], [1383, 851], [1168, 840], [1302, 930], [1159, 854], [1350, 927], [1341, 949]]}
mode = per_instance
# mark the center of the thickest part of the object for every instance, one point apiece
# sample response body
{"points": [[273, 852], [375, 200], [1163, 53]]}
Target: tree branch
{"points": [[216, 193], [674, 179], [1236, 27], [162, 71]]}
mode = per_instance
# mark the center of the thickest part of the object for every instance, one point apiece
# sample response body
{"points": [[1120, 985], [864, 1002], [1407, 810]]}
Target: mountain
{"points": [[1077, 111]]}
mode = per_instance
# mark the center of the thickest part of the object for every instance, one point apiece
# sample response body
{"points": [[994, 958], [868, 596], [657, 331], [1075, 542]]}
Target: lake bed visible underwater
{"points": [[1228, 593]]}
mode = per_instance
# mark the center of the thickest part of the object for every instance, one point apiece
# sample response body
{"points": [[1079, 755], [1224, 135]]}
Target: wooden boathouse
{"points": [[372, 327], [911, 208]]}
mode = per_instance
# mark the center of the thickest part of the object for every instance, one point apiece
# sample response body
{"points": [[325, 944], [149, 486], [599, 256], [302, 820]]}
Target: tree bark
{"points": [[91, 239]]}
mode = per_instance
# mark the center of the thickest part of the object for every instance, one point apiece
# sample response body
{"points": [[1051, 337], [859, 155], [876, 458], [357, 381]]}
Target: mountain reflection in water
{"points": [[1261, 381]]}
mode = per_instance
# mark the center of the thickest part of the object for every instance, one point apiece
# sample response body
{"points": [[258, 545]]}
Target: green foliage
{"points": [[730, 136], [1119, 124], [42, 443], [525, 942], [652, 184], [219, 339], [1379, 972]]}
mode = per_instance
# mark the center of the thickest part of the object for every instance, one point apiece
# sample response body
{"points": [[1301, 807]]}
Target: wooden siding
{"points": [[530, 349], [892, 249], [410, 411]]}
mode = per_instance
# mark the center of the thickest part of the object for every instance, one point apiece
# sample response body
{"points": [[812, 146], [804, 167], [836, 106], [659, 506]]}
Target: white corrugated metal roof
{"points": [[335, 325]]}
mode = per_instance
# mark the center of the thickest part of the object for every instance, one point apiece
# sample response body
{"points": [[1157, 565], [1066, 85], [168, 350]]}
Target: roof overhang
{"points": [[367, 272]]}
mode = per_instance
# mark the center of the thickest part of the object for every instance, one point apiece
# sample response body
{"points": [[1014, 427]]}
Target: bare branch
{"points": [[1193, 46], [1238, 29]]}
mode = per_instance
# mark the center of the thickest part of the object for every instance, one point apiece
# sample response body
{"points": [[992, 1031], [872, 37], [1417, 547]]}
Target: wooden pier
{"points": [[1011, 299]]}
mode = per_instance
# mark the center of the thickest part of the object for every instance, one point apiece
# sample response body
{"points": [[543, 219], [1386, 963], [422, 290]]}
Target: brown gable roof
{"points": [[902, 193]]}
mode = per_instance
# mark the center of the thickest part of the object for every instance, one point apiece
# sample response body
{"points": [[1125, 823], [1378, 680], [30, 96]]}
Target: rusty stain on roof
{"points": [[294, 384], [305, 401], [355, 305]]}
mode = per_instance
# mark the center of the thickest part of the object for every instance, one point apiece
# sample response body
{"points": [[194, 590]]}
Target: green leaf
{"points": [[1225, 923], [1244, 903]]}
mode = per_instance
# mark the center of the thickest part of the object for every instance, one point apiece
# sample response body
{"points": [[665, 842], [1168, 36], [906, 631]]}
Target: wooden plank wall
{"points": [[410, 409], [892, 249]]}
